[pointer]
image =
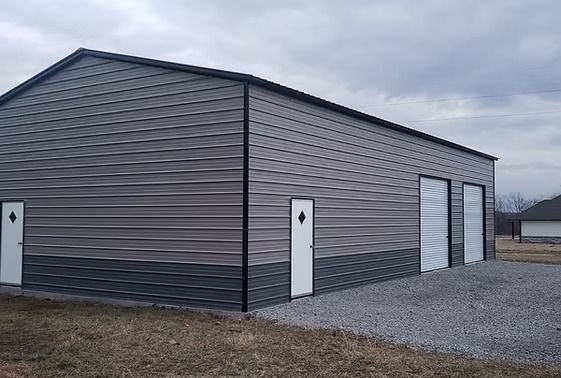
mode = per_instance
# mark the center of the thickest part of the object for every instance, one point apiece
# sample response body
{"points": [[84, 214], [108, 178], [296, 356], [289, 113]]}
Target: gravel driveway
{"points": [[495, 309]]}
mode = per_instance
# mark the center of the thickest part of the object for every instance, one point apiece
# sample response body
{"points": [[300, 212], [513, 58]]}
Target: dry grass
{"points": [[512, 250], [78, 339]]}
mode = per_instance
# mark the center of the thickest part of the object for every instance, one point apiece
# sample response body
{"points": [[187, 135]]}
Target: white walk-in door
{"points": [[302, 248], [434, 224], [12, 243], [473, 223]]}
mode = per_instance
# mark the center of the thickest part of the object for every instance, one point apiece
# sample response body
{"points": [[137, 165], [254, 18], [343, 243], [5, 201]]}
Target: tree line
{"points": [[508, 207]]}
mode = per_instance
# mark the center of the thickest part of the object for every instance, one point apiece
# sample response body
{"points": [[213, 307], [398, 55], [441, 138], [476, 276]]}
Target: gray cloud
{"points": [[359, 53]]}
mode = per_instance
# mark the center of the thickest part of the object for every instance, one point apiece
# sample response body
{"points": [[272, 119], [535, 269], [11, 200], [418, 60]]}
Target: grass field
{"points": [[512, 250], [79, 339]]}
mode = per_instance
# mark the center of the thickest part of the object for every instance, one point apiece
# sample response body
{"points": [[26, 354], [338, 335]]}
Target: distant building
{"points": [[542, 222]]}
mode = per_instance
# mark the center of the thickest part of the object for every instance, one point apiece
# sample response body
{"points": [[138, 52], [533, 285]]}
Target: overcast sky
{"points": [[419, 63]]}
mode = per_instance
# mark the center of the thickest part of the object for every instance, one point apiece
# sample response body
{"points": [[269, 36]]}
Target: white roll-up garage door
{"points": [[473, 223], [434, 224]]}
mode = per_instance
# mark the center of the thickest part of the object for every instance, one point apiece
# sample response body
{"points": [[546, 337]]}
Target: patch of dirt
{"points": [[512, 250], [14, 370]]}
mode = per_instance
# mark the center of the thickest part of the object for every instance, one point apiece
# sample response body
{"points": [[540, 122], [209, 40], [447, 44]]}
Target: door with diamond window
{"points": [[11, 250], [302, 248]]}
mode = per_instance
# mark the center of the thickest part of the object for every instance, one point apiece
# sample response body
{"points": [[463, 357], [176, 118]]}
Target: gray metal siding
{"points": [[126, 162], [365, 180], [268, 284], [457, 222], [197, 285]]}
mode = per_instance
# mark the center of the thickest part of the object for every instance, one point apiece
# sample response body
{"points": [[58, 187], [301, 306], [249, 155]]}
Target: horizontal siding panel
{"points": [[337, 231], [294, 178], [171, 211], [72, 128], [142, 201], [132, 182], [256, 258], [326, 212], [152, 178], [184, 91], [295, 190], [86, 62], [138, 222], [365, 182], [159, 254], [76, 74], [59, 274], [371, 247], [99, 134], [306, 111], [340, 272], [149, 243], [316, 148], [153, 188], [457, 252], [342, 222], [115, 157], [143, 90], [112, 75], [457, 209], [128, 146], [209, 286], [138, 233], [101, 88], [282, 128], [129, 114], [352, 171], [115, 169], [332, 162], [269, 284], [221, 97]]}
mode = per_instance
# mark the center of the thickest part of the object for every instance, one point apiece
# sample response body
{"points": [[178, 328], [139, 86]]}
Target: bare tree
{"points": [[507, 208], [500, 203], [518, 202]]}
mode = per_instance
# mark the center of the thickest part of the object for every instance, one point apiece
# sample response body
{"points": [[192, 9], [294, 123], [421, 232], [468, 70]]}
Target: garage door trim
{"points": [[484, 205], [449, 194]]}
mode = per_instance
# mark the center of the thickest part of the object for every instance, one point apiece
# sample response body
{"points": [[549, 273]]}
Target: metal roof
{"points": [[546, 210], [236, 76]]}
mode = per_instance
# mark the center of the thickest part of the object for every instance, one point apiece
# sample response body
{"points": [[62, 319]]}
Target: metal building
{"points": [[138, 179]]}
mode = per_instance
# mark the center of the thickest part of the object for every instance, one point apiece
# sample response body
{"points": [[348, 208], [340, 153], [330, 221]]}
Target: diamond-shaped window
{"points": [[12, 217], [302, 217]]}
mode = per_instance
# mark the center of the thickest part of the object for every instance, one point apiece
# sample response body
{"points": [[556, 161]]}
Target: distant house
{"points": [[542, 222]]}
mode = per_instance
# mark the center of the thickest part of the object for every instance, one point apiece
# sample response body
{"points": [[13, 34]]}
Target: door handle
{"points": [[311, 246], [20, 243]]}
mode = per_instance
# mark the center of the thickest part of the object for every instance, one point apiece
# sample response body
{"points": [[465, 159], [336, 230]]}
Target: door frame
{"points": [[22, 237], [313, 249], [483, 204], [449, 237]]}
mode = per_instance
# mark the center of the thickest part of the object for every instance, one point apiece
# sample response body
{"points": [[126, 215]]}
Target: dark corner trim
{"points": [[494, 214], [245, 236], [450, 254], [484, 205]]}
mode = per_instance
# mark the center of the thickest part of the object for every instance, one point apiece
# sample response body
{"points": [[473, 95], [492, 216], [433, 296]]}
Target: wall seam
{"points": [[245, 226]]}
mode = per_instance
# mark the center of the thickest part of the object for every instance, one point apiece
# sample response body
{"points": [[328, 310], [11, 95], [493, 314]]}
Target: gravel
{"points": [[495, 309]]}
